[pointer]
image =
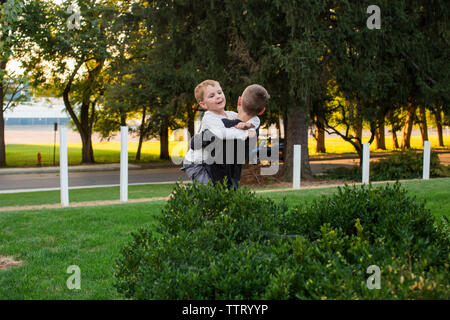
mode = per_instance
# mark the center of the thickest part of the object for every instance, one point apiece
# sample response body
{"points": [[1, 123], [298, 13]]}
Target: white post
{"points": [[124, 164], [63, 166], [297, 166], [366, 161], [426, 160]]}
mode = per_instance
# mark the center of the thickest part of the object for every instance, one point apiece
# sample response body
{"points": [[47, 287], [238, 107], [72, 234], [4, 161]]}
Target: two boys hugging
{"points": [[203, 163]]}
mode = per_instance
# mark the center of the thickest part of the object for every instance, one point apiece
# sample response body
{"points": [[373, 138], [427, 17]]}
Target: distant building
{"points": [[37, 112]]}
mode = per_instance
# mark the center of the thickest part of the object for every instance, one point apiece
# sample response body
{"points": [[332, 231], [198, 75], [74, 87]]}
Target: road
{"points": [[50, 180], [89, 178]]}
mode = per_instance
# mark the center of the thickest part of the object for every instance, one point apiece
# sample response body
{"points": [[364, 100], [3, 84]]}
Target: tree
{"points": [[407, 129], [395, 120], [372, 68], [379, 135], [426, 56], [11, 85], [284, 49], [423, 124], [362, 74], [437, 112], [78, 54], [149, 78], [320, 134], [219, 40]]}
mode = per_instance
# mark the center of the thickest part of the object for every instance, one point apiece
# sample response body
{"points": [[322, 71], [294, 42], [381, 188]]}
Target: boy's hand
{"points": [[244, 126]]}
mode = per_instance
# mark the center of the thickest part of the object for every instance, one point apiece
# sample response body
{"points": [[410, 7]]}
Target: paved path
{"points": [[15, 180], [89, 178]]}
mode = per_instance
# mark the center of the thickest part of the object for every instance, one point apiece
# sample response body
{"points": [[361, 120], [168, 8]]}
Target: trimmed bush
{"points": [[396, 166], [405, 165], [215, 243]]}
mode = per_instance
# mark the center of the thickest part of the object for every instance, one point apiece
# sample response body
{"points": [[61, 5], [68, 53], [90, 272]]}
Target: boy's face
{"points": [[213, 99]]}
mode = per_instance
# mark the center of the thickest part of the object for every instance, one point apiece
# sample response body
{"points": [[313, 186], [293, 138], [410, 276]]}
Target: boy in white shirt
{"points": [[210, 97]]}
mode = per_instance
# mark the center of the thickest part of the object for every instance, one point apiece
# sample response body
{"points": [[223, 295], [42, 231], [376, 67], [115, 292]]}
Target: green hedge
{"points": [[406, 165], [215, 243], [396, 166]]}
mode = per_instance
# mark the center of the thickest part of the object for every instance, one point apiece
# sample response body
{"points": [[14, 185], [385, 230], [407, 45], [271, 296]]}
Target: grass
{"points": [[435, 191], [82, 195], [25, 155], [49, 241]]}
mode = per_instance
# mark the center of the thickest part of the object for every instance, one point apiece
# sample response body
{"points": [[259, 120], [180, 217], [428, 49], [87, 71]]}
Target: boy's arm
{"points": [[251, 124], [217, 128], [255, 122]]}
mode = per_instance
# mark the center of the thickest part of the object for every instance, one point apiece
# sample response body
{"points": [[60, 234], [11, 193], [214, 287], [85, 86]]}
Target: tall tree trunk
{"points": [[297, 134], [164, 142], [423, 124], [84, 124], [191, 120], [87, 117], [284, 118], [407, 129], [2, 120], [358, 131], [320, 135], [380, 136], [123, 118], [438, 117], [391, 118], [395, 139], [87, 153], [283, 134], [141, 133], [2, 134]]}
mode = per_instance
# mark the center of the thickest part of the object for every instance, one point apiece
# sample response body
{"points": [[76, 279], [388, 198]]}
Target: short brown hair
{"points": [[199, 90], [254, 99]]}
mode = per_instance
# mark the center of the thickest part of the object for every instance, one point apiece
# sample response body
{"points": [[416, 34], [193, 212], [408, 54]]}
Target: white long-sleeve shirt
{"points": [[213, 122]]}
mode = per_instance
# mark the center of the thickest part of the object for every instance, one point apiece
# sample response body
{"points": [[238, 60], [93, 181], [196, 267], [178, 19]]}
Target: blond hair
{"points": [[254, 99], [199, 90]]}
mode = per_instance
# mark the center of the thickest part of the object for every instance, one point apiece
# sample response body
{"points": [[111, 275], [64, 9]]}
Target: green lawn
{"points": [[20, 155], [49, 241], [82, 195], [25, 155]]}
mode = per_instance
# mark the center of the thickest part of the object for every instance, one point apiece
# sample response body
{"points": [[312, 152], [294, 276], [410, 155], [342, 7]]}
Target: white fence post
{"points": [[365, 164], [426, 160], [297, 166], [63, 166], [124, 164]]}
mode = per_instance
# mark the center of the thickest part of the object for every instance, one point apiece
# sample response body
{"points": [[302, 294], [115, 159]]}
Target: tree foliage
{"points": [[318, 59], [11, 83], [72, 60]]}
